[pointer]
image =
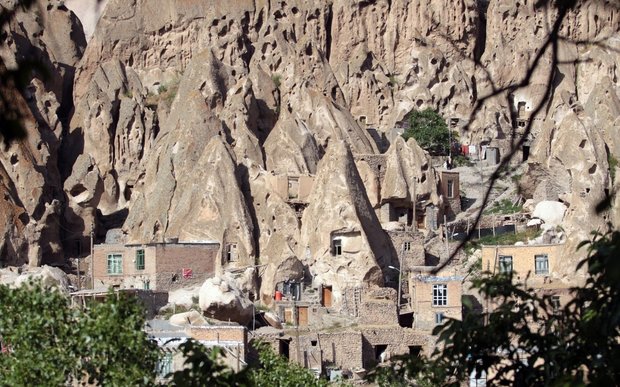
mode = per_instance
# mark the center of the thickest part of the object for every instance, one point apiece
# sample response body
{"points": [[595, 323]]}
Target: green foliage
{"points": [[526, 339], [429, 130], [504, 207], [277, 80], [462, 161], [613, 163], [392, 80], [202, 368], [50, 343], [276, 370]]}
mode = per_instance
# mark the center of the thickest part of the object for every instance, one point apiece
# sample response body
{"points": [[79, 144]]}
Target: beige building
{"points": [[433, 298], [450, 190], [539, 262], [157, 266]]}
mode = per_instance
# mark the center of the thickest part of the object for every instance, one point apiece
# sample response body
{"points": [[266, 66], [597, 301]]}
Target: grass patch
{"points": [[462, 161], [504, 207], [503, 239]]}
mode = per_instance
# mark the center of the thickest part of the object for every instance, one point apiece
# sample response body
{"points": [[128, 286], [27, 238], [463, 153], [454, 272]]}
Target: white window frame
{"points": [[115, 264], [501, 263], [337, 245], [544, 261], [440, 295], [450, 188]]}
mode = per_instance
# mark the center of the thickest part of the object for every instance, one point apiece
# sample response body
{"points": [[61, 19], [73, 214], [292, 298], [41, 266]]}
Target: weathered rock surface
{"points": [[339, 209], [180, 110], [220, 298], [29, 225]]}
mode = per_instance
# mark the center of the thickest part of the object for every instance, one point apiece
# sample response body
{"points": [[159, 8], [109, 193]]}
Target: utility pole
{"points": [[92, 255], [79, 281]]}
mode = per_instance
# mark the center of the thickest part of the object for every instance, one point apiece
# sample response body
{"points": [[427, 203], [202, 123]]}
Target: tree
{"points": [[527, 340], [429, 130], [272, 370], [47, 342]]}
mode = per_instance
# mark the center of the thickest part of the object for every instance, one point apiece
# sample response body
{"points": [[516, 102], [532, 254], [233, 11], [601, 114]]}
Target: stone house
{"points": [[450, 190], [232, 339], [534, 264], [156, 266], [539, 262], [434, 298]]}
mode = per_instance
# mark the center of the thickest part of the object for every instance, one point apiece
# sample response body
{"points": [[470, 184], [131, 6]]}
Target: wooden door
{"points": [[327, 296], [288, 316], [302, 315]]}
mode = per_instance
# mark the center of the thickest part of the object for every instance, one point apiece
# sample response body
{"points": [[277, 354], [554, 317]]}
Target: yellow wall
{"points": [[523, 261]]}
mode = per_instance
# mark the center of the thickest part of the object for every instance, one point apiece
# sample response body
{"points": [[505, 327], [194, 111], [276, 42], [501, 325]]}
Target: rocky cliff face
{"points": [[171, 122]]}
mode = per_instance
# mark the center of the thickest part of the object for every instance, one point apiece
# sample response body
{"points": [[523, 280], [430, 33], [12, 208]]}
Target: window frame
{"points": [[450, 188], [140, 261], [439, 317], [545, 261], [407, 246], [501, 264], [114, 264], [231, 253], [440, 295], [337, 247]]}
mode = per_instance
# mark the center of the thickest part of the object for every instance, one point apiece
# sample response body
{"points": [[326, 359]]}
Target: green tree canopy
{"points": [[527, 340], [46, 342], [429, 130]]}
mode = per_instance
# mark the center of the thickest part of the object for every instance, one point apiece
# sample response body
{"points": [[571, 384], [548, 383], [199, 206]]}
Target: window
{"points": [[146, 285], [555, 303], [440, 295], [140, 259], [115, 263], [450, 189], [541, 262], [231, 252], [164, 365], [505, 264], [337, 246], [438, 318], [407, 246]]}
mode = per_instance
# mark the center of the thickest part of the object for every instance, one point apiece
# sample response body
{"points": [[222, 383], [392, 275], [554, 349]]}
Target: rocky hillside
{"points": [[175, 118]]}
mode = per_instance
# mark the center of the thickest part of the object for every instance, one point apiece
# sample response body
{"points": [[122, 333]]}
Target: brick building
{"points": [[157, 266]]}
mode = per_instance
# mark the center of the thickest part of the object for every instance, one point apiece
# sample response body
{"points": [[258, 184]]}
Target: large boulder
{"points": [[192, 317], [550, 212], [220, 298], [47, 276], [339, 210]]}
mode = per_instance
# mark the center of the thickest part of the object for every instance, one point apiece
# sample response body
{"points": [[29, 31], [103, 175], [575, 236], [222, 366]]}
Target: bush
{"points": [[429, 130]]}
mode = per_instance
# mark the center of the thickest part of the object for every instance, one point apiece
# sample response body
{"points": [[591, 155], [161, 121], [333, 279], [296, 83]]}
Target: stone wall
{"points": [[523, 262], [397, 341], [377, 163], [412, 254]]}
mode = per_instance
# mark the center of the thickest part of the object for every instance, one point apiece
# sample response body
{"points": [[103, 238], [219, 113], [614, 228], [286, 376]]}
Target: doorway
{"points": [[327, 296]]}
